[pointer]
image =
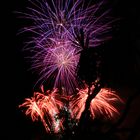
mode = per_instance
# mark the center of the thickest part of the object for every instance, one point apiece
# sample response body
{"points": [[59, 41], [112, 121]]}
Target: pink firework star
{"points": [[58, 65], [102, 105]]}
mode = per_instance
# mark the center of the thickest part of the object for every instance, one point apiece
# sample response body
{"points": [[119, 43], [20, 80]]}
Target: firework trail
{"points": [[74, 24], [46, 107], [102, 105]]}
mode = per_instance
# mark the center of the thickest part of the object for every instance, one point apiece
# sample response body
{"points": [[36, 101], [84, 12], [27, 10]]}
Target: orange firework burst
{"points": [[102, 104], [47, 108]]}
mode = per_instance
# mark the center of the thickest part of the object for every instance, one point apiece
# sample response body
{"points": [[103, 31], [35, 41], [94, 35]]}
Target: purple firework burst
{"points": [[58, 65], [56, 37]]}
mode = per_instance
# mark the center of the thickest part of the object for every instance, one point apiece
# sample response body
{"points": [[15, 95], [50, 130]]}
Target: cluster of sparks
{"points": [[56, 30], [48, 105], [56, 45]]}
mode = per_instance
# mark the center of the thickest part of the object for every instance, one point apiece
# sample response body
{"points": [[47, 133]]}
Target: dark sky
{"points": [[122, 59]]}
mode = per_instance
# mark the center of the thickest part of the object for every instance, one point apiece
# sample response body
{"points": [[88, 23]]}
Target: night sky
{"points": [[121, 66]]}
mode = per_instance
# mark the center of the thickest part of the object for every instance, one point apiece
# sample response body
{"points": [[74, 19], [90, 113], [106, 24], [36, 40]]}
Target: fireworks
{"points": [[77, 103], [60, 30], [47, 108], [60, 19], [102, 105], [59, 66]]}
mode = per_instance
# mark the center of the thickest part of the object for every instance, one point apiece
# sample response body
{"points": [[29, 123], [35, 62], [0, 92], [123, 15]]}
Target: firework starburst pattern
{"points": [[61, 29], [101, 105], [56, 30], [45, 106]]}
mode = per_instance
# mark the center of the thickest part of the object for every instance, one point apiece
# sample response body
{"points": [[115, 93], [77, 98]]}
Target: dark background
{"points": [[122, 66]]}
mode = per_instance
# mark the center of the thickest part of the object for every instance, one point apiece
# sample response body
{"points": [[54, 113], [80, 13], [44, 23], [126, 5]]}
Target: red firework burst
{"points": [[102, 104], [47, 108]]}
